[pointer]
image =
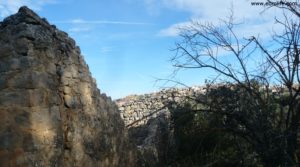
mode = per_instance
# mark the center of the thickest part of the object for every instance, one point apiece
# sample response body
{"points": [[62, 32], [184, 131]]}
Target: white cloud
{"points": [[82, 21], [154, 7], [8, 7], [79, 29], [105, 50], [81, 25], [174, 29], [253, 17], [194, 6], [206, 9]]}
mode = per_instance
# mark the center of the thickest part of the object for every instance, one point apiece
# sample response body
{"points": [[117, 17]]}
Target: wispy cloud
{"points": [[255, 18], [154, 7], [8, 7], [81, 21], [81, 25], [105, 50], [79, 29], [174, 30]]}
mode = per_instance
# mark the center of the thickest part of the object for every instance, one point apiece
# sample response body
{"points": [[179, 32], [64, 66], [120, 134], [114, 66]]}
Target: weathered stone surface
{"points": [[153, 140], [136, 110], [148, 120], [51, 112]]}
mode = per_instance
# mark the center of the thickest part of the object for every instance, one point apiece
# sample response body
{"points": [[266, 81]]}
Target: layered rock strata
{"points": [[51, 112]]}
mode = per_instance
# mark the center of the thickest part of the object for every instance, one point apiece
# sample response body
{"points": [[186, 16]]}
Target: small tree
{"points": [[266, 116]]}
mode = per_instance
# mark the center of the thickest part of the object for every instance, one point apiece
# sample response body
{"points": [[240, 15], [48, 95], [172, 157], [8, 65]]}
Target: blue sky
{"points": [[127, 43]]}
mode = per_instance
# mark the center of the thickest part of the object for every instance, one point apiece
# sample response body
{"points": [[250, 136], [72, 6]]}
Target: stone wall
{"points": [[136, 110], [51, 112], [147, 118]]}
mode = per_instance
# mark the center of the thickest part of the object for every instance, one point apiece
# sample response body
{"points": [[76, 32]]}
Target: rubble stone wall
{"points": [[51, 112], [147, 118], [136, 110]]}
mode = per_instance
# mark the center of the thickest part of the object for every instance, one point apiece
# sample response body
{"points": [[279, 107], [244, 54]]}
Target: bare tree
{"points": [[250, 69]]}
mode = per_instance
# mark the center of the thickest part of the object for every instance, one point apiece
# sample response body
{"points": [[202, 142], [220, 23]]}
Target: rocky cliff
{"points": [[51, 112]]}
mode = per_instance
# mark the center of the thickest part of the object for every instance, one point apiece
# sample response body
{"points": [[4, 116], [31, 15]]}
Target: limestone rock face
{"points": [[51, 112]]}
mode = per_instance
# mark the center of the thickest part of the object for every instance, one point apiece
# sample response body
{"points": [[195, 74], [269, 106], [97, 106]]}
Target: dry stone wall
{"points": [[147, 118], [51, 112], [136, 110]]}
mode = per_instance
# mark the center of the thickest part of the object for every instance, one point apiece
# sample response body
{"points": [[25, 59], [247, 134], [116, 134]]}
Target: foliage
{"points": [[247, 106], [202, 140]]}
